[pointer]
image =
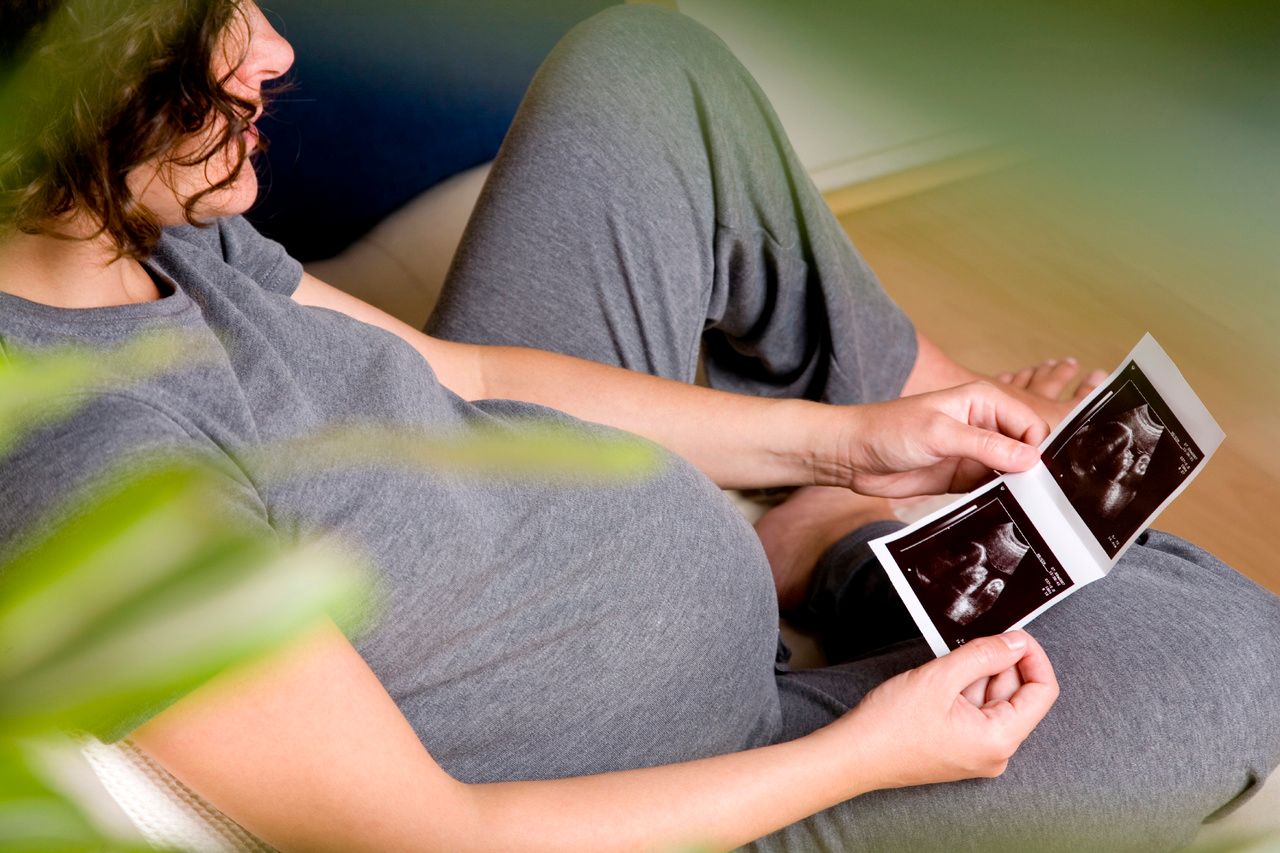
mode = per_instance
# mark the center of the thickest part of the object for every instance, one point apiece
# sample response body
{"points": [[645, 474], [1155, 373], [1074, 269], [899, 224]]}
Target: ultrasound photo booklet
{"points": [[1002, 555]]}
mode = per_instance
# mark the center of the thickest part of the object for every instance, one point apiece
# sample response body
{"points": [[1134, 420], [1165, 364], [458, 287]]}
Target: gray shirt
{"points": [[528, 629]]}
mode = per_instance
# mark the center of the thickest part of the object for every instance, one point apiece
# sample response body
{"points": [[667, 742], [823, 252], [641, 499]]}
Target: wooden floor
{"points": [[1001, 276]]}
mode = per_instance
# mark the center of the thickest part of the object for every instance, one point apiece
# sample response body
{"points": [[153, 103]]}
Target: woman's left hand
{"points": [[929, 444]]}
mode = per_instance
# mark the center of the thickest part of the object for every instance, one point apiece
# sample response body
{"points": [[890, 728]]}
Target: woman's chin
{"points": [[232, 200]]}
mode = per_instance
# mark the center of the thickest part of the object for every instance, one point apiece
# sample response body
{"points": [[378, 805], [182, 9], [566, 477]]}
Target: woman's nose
{"points": [[270, 55]]}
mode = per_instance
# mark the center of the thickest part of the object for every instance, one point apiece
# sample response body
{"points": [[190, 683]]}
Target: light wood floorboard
{"points": [[1001, 276]]}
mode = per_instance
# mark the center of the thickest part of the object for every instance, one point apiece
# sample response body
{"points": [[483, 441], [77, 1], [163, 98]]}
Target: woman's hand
{"points": [[929, 444], [926, 725]]}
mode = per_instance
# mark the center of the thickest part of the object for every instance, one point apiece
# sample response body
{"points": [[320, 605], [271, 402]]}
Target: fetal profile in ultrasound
{"points": [[1120, 458], [980, 568]]}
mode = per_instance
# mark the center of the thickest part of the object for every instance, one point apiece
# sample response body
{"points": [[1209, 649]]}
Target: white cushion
{"points": [[401, 264], [167, 814]]}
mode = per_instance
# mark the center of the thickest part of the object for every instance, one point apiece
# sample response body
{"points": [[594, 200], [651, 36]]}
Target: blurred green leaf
{"points": [[33, 815], [117, 547], [533, 449], [36, 389], [1242, 842], [36, 817], [133, 603]]}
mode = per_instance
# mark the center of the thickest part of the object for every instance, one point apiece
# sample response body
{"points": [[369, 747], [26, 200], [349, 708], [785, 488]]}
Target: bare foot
{"points": [[798, 531], [1051, 387]]}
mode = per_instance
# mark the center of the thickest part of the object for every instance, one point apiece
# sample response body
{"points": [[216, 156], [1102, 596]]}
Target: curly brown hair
{"points": [[92, 89]]}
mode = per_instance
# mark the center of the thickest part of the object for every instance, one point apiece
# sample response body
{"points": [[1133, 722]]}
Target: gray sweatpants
{"points": [[647, 207]]}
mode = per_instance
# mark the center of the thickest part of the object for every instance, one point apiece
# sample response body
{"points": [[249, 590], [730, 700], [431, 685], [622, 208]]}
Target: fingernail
{"points": [[1015, 640], [1071, 359]]}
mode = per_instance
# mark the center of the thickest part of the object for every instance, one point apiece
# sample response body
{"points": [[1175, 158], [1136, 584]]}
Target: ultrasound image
{"points": [[979, 569], [1118, 460]]}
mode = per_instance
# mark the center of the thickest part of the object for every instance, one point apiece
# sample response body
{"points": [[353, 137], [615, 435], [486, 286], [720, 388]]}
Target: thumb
{"points": [[983, 657], [991, 448]]}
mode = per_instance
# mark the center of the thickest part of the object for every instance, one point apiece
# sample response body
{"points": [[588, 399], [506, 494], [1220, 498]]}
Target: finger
{"points": [[983, 657], [1034, 667], [986, 447], [977, 692], [1002, 687], [1039, 688], [1006, 414], [1029, 706]]}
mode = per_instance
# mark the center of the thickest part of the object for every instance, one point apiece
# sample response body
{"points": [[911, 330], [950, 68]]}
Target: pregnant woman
{"points": [[591, 667]]}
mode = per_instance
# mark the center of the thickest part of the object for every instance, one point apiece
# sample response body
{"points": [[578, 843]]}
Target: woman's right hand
{"points": [[946, 441], [958, 717]]}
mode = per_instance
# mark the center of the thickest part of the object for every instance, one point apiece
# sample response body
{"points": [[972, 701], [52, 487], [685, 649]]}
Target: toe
{"points": [[1052, 377], [1004, 378], [1022, 378], [1042, 370], [1088, 384]]}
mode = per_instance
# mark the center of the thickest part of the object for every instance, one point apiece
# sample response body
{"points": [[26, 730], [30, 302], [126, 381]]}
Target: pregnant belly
{"points": [[535, 633]]}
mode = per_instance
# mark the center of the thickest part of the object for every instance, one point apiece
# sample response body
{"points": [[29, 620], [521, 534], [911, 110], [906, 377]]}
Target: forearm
{"points": [[308, 751], [737, 440], [272, 746], [717, 803]]}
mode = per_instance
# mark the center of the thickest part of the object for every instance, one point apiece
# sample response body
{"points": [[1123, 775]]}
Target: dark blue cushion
{"points": [[389, 98]]}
